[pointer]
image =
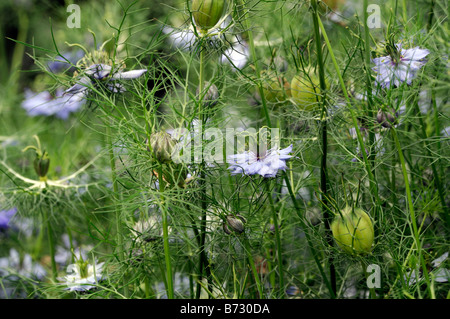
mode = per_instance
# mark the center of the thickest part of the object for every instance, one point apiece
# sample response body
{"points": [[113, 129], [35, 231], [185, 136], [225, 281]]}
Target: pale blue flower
{"points": [[46, 104], [60, 63], [267, 164], [392, 71], [5, 217]]}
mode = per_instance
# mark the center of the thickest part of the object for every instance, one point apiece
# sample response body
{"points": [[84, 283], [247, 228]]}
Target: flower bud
{"points": [[211, 97], [207, 13], [162, 146], [305, 90], [353, 231], [234, 224], [387, 119], [41, 165]]}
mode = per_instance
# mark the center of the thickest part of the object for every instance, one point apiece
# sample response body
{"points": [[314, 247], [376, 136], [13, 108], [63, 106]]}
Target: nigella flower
{"points": [[5, 218], [400, 66], [104, 73], [266, 164], [83, 276], [24, 266], [62, 63], [236, 55], [235, 51], [46, 104]]}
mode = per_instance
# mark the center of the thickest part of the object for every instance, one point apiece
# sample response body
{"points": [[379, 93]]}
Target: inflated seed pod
{"points": [[353, 231], [305, 90], [207, 13]]}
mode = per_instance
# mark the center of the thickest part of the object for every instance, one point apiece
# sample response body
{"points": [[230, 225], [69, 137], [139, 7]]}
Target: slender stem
{"points": [[368, 166], [169, 275], [279, 251], [431, 15], [307, 236], [51, 243], [436, 179], [252, 265], [251, 44], [203, 261], [410, 204], [367, 61], [405, 12], [16, 63], [119, 238], [324, 129]]}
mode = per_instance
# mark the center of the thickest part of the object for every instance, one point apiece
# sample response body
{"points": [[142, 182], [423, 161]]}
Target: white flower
{"points": [[403, 68], [22, 266], [237, 55], [266, 165], [83, 276], [103, 72]]}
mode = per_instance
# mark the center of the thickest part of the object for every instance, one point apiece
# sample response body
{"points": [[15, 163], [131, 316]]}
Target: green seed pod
{"points": [[276, 89], [207, 13], [353, 231], [162, 146], [234, 224], [305, 90], [41, 165]]}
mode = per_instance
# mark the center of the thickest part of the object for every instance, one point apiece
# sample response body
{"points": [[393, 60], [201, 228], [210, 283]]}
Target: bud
{"points": [[305, 90], [162, 145], [387, 119], [211, 97], [234, 224], [41, 165], [207, 13], [353, 231]]}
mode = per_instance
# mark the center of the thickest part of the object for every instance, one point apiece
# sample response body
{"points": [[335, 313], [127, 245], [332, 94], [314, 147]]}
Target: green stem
{"points": [[405, 12], [119, 239], [252, 265], [410, 205], [436, 179], [251, 45], [307, 236], [169, 275], [51, 243], [324, 129], [16, 63], [373, 183], [279, 251], [203, 261]]}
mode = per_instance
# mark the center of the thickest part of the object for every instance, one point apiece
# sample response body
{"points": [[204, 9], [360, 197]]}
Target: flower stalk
{"points": [[324, 132]]}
